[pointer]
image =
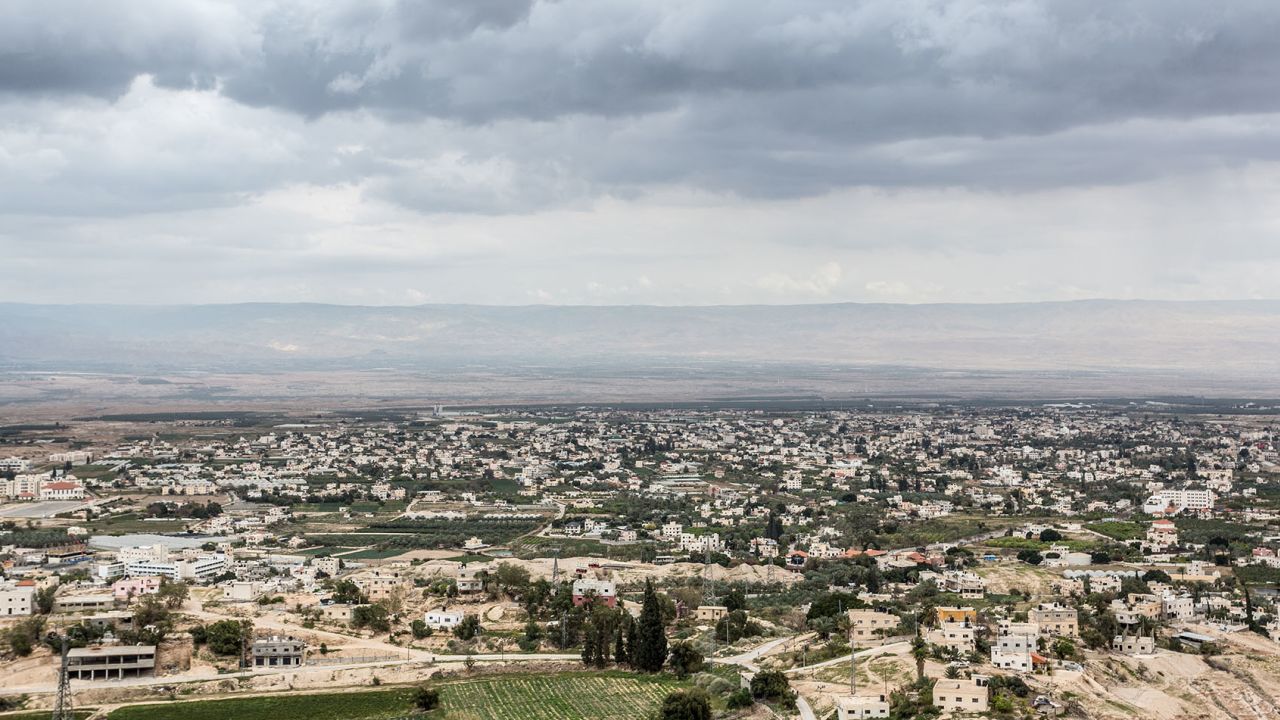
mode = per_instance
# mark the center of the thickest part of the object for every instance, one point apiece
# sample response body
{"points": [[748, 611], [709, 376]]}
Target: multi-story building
{"points": [[111, 662], [1056, 619], [603, 591], [17, 599], [276, 651], [869, 627]]}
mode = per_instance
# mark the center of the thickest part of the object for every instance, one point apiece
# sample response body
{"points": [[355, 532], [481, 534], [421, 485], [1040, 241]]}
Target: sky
{"points": [[667, 152]]}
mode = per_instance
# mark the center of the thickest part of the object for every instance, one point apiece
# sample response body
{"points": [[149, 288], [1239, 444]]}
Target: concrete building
{"points": [[958, 636], [1133, 644], [711, 613], [441, 619], [83, 603], [604, 591], [470, 579], [111, 662], [1015, 646], [17, 599], [1055, 619], [869, 627], [962, 696], [380, 584], [276, 651], [862, 706]]}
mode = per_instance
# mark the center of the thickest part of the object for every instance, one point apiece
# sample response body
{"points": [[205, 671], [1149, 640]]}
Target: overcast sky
{"points": [[648, 151]]}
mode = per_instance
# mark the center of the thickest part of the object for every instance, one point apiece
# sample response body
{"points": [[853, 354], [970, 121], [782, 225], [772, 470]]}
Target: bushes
{"points": [[469, 628], [693, 704], [773, 685], [685, 659], [426, 698]]}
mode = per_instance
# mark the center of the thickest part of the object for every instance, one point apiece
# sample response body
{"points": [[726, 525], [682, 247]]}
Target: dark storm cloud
{"points": [[504, 106]]}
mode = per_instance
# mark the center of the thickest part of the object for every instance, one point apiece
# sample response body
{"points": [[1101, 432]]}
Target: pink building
{"points": [[126, 588]]}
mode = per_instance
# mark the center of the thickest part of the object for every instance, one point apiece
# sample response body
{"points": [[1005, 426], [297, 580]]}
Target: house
{"points": [[62, 490], [128, 588], [869, 627], [330, 566], [961, 695], [711, 613], [470, 579], [1015, 645], [1056, 619], [241, 591], [586, 590], [954, 635], [441, 619], [276, 651], [862, 706], [379, 584], [1133, 644], [17, 599], [337, 612]]}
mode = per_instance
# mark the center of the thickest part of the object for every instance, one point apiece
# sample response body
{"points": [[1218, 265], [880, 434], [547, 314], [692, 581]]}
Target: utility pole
{"points": [[853, 667], [62, 705]]}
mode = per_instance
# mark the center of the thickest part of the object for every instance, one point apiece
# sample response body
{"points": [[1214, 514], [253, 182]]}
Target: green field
{"points": [[1118, 530], [564, 696]]}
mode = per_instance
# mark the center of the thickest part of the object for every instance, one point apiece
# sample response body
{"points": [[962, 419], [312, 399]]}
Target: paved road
{"points": [[893, 648], [76, 685]]}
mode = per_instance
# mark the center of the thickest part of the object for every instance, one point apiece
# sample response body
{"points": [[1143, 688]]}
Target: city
{"points": [[1004, 560]]}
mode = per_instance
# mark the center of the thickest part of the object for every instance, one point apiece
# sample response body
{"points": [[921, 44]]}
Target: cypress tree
{"points": [[651, 649]]}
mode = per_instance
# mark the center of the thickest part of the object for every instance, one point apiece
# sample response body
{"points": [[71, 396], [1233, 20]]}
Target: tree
{"points": [[692, 704], [173, 594], [919, 651], [469, 628], [511, 578], [426, 698], [227, 637], [685, 659], [44, 599], [23, 636], [1030, 557], [772, 685], [1050, 535], [348, 593], [650, 650], [375, 617], [735, 599], [420, 629], [1064, 648]]}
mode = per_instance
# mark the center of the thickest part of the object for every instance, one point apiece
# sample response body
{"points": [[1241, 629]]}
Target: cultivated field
{"points": [[563, 696]]}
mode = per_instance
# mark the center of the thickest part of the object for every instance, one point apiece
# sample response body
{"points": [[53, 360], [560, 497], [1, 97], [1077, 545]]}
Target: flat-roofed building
{"points": [[277, 651], [961, 695], [711, 613], [857, 707], [17, 599], [1055, 619], [83, 603], [1133, 644], [112, 662], [869, 627]]}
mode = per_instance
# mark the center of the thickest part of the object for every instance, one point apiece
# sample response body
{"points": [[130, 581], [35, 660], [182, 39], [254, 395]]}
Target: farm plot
{"points": [[563, 696], [555, 697]]}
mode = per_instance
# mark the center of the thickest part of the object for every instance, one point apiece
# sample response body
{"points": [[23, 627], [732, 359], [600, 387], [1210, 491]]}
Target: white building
{"points": [[441, 619], [17, 600]]}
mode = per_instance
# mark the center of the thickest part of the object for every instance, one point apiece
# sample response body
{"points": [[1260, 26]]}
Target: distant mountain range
{"points": [[1235, 340]]}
